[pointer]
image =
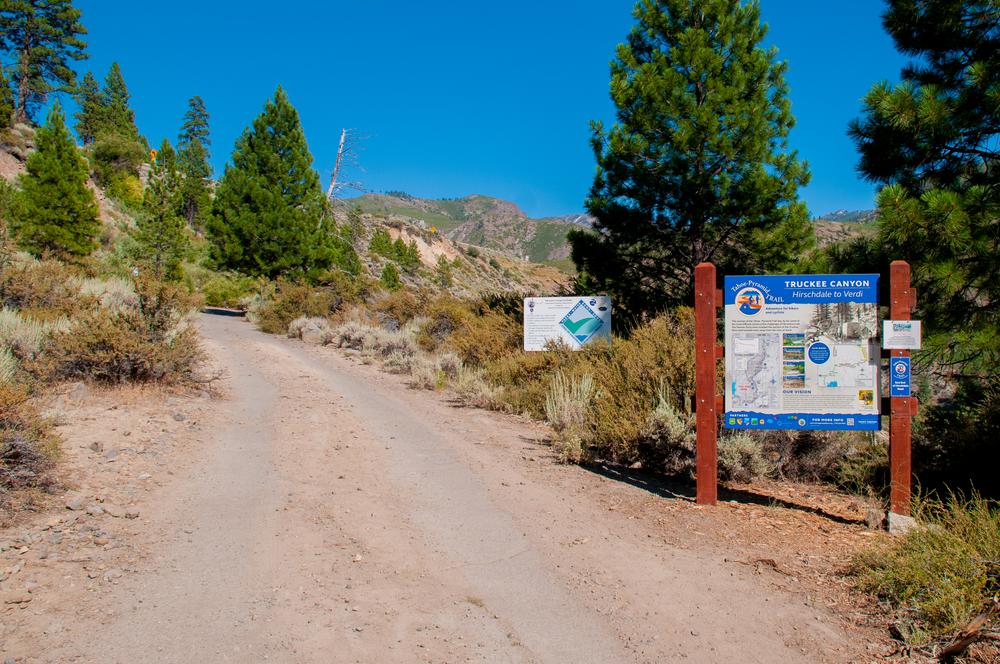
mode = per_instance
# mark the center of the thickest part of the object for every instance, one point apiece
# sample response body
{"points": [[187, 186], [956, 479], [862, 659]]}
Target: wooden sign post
{"points": [[901, 409], [706, 302]]}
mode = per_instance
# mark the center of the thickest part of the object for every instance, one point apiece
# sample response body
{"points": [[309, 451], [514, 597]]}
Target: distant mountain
{"points": [[848, 216], [482, 221]]}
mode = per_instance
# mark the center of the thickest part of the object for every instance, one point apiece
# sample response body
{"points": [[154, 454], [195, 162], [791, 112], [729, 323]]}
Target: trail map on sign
{"points": [[802, 352]]}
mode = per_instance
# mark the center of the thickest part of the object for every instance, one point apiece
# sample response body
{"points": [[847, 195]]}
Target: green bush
{"points": [[227, 290], [941, 574]]}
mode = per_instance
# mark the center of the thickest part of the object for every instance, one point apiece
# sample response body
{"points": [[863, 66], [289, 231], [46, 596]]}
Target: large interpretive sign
{"points": [[802, 352], [573, 321]]}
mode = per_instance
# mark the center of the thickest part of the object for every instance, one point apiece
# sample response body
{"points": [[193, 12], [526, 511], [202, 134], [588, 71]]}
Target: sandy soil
{"points": [[317, 510]]}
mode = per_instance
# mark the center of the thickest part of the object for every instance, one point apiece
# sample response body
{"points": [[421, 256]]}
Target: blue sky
{"points": [[457, 98]]}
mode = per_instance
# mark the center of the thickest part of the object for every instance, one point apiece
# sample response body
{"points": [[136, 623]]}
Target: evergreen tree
{"points": [[44, 36], [119, 118], [6, 101], [697, 168], [90, 117], [193, 144], [269, 211], [934, 141], [390, 277], [58, 212], [160, 234], [118, 150]]}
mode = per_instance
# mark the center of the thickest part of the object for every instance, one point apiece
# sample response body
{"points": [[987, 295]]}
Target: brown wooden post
{"points": [[705, 304], [901, 409]]}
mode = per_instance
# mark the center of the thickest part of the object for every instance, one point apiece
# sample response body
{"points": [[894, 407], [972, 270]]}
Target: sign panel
{"points": [[901, 334], [574, 321], [802, 352], [899, 377]]}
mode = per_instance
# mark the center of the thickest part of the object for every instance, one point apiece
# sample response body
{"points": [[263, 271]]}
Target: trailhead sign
{"points": [[574, 321], [802, 352]]}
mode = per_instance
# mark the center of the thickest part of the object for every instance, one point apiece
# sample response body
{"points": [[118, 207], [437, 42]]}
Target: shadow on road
{"points": [[680, 488]]}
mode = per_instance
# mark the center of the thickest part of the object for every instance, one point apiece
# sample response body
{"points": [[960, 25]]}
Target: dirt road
{"points": [[322, 512]]}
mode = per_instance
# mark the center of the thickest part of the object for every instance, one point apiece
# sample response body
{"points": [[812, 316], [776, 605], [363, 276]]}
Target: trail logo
{"points": [[581, 322], [750, 301]]}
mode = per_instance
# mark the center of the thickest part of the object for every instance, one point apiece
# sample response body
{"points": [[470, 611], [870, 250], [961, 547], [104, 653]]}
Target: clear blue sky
{"points": [[462, 97]]}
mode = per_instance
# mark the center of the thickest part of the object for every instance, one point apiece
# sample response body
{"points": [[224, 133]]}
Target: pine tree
{"points": [[390, 277], [934, 142], [90, 117], [119, 118], [193, 144], [118, 150], [58, 212], [44, 36], [697, 167], [160, 234], [268, 216], [6, 101]]}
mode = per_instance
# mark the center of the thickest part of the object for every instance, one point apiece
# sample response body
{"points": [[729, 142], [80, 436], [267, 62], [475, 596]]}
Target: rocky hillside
{"points": [[482, 221]]}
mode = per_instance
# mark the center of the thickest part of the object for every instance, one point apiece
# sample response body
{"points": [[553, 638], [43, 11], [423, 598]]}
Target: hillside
{"points": [[462, 268], [482, 221]]}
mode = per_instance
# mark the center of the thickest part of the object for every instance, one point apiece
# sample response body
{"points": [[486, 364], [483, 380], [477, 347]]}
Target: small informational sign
{"points": [[899, 377], [573, 321], [802, 352], [901, 334]]}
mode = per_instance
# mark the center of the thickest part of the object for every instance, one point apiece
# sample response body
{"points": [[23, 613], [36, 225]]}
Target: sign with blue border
{"points": [[802, 352], [899, 377]]}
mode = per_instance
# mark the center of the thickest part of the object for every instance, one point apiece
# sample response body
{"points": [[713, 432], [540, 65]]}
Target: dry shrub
{"points": [[44, 289], [942, 573], [567, 409], [742, 457], [400, 363], [8, 366], [293, 300], [473, 389], [310, 330], [631, 374], [450, 364], [28, 448], [152, 342], [426, 374], [487, 338], [525, 378], [395, 309], [667, 440], [373, 340], [445, 315], [112, 293]]}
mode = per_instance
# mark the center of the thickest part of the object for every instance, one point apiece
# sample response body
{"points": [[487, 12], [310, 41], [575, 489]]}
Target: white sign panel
{"points": [[573, 321], [901, 334], [802, 352]]}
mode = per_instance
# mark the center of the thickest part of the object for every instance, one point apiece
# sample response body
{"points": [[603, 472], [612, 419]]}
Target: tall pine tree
{"points": [[933, 140], [118, 149], [90, 117], [119, 118], [160, 233], [193, 144], [58, 212], [697, 167], [268, 215], [44, 36]]}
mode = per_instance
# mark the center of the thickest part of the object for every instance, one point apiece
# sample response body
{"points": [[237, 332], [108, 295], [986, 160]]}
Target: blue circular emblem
{"points": [[750, 301], [819, 353]]}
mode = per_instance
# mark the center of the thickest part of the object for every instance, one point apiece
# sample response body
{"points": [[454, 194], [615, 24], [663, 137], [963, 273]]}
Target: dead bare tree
{"points": [[347, 156]]}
